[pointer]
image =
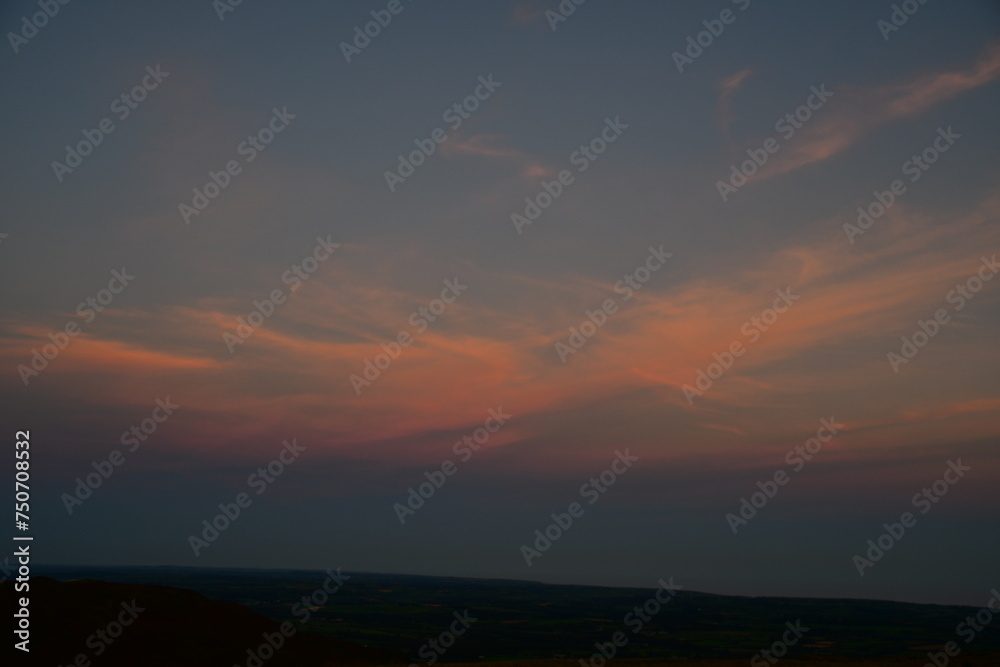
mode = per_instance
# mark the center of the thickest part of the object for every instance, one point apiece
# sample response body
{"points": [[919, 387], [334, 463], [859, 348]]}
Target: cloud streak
{"points": [[856, 111]]}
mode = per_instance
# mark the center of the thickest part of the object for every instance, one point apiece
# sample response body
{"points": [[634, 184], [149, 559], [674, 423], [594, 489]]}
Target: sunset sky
{"points": [[669, 138]]}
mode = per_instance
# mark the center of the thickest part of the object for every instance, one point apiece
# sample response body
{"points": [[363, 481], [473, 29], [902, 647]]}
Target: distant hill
{"points": [[521, 620], [166, 627]]}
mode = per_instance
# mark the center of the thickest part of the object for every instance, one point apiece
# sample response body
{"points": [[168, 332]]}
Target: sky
{"points": [[634, 232]]}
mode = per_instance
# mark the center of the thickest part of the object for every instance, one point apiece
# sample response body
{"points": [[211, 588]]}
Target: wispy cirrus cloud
{"points": [[492, 146], [296, 367], [728, 88], [856, 111]]}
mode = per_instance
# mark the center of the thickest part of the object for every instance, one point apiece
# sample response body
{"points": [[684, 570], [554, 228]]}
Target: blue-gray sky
{"points": [[670, 132]]}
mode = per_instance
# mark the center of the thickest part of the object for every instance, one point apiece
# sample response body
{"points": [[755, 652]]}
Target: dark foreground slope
{"points": [[519, 620], [115, 624]]}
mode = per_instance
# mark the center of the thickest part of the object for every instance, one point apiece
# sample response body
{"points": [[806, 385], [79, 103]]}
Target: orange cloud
{"points": [[293, 374]]}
